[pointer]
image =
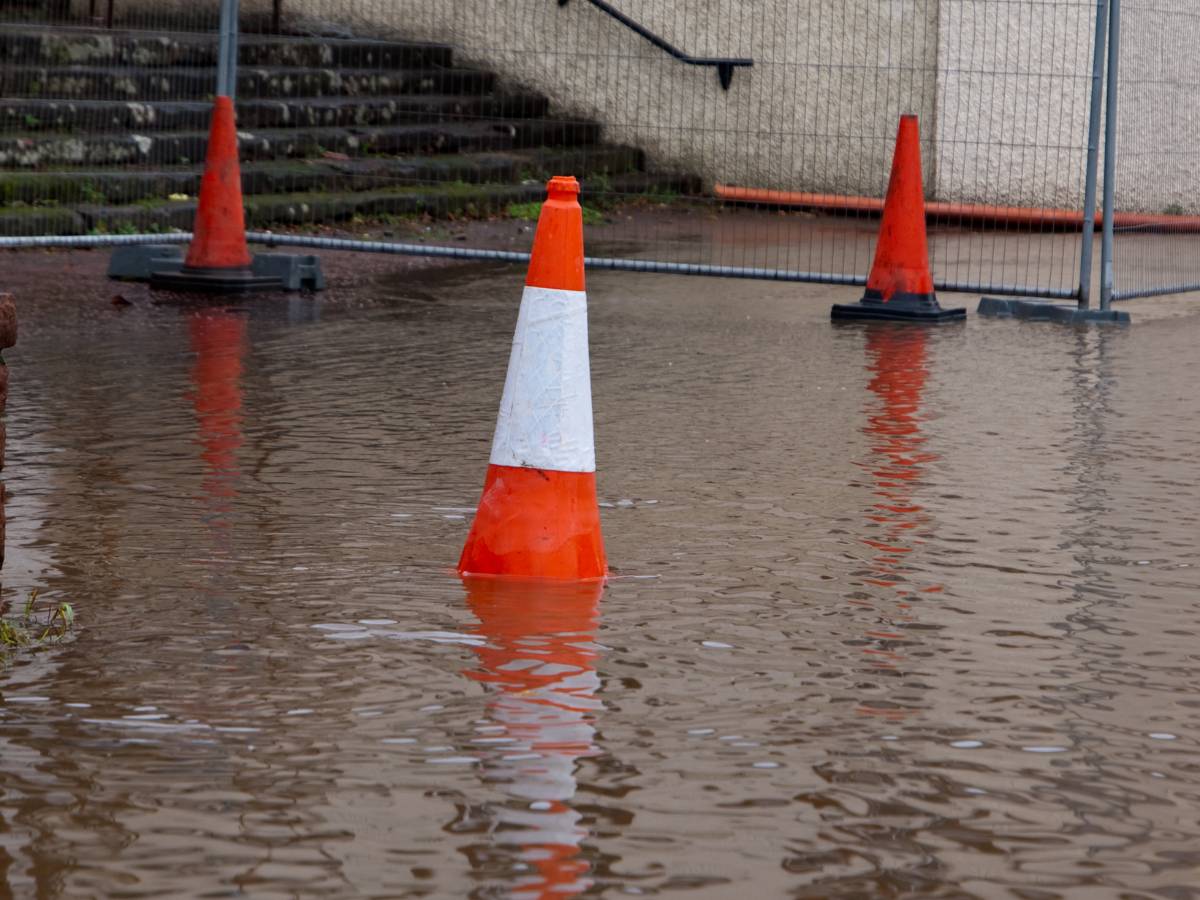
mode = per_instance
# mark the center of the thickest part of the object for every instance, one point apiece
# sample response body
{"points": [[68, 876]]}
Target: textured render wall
{"points": [[1013, 92], [1013, 95], [1158, 112]]}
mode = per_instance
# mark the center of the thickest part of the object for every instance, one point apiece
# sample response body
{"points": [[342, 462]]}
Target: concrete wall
{"points": [[1014, 83], [1158, 125], [816, 112], [1002, 88]]}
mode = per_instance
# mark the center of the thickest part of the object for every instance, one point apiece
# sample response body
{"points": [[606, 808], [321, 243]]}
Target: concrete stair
{"points": [[29, 117], [44, 45], [99, 130]]}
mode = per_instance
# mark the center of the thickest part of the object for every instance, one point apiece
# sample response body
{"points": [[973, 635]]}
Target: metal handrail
{"points": [[723, 65]]}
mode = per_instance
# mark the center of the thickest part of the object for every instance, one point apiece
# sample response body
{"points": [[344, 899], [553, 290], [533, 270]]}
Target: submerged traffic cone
{"points": [[900, 286], [218, 259], [538, 516]]}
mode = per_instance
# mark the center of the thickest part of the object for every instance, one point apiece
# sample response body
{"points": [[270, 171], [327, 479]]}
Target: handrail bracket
{"points": [[723, 65]]}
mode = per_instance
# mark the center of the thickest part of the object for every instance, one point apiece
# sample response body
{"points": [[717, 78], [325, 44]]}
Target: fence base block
{"points": [[137, 262], [162, 266], [1041, 311]]}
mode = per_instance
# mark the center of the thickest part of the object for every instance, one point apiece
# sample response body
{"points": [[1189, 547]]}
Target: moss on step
{"points": [[31, 220], [451, 199], [529, 212]]}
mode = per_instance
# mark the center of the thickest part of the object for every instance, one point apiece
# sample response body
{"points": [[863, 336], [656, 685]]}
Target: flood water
{"points": [[895, 611]]}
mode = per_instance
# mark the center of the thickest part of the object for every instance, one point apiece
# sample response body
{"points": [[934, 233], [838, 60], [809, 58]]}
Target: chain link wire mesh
{"points": [[1156, 249], [399, 119]]}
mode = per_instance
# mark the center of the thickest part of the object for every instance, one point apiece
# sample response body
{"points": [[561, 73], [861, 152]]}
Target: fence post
{"points": [[1089, 191], [1110, 153], [227, 58]]}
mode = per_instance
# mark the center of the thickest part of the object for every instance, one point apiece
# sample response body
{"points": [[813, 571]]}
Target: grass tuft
{"points": [[529, 212], [35, 628]]}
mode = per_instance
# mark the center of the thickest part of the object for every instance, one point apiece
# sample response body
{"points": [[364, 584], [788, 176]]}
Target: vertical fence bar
{"points": [[1093, 153], [227, 54], [1110, 152]]}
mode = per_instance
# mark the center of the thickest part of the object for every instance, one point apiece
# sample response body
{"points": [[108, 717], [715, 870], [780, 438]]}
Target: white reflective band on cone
{"points": [[545, 417]]}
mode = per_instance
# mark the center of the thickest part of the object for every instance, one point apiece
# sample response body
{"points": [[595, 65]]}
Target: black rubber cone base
{"points": [[901, 307], [883, 313], [215, 281], [162, 265]]}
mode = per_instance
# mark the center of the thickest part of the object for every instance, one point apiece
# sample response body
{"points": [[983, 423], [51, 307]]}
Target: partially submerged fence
{"points": [[746, 137]]}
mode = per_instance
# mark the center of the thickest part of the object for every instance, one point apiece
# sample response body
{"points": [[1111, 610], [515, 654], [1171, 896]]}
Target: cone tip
{"points": [[909, 130], [562, 187]]}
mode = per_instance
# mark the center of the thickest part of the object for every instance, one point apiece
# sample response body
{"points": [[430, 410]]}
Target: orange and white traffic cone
{"points": [[900, 286], [538, 516], [218, 260]]}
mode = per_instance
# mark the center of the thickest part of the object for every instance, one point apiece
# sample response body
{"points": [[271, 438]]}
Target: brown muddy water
{"points": [[896, 612]]}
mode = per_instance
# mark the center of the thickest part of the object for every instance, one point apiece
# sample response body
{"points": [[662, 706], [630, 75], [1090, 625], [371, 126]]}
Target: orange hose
{"points": [[960, 213]]}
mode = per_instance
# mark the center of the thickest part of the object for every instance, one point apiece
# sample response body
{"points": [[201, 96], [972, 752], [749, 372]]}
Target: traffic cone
{"points": [[900, 287], [218, 260], [538, 516]]}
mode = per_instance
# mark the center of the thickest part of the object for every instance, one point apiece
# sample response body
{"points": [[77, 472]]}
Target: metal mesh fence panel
{"points": [[437, 122], [1157, 225], [104, 113]]}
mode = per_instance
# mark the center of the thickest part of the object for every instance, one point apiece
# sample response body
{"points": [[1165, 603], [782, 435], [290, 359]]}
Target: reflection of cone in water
{"points": [[539, 662], [899, 376], [218, 340], [895, 521], [218, 259], [900, 285], [538, 516]]}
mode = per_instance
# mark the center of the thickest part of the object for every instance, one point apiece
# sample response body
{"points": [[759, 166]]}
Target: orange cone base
{"points": [[901, 307], [536, 523]]}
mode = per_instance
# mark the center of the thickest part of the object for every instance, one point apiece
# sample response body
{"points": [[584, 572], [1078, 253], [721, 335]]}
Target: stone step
{"points": [[31, 115], [30, 45], [40, 220], [268, 210], [42, 149], [175, 83], [123, 187]]}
